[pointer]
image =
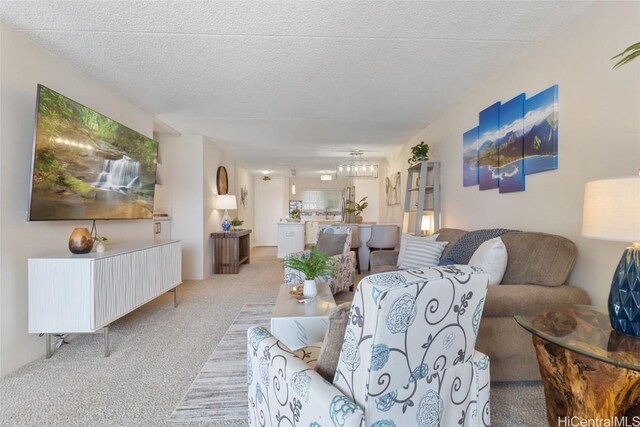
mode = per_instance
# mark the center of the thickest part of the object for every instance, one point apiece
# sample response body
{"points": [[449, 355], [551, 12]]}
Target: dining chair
{"points": [[383, 237]]}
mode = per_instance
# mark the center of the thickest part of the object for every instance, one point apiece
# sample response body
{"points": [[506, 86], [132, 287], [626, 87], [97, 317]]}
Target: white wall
{"points": [[245, 178], [181, 193], [369, 188], [213, 158], [188, 175], [22, 66], [599, 136]]}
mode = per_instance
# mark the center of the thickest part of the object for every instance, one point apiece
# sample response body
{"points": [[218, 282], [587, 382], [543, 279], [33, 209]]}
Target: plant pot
{"points": [[358, 219], [310, 289], [100, 247]]}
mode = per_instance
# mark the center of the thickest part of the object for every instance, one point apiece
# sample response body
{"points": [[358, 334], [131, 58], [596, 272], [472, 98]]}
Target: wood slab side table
{"points": [[230, 249], [588, 370]]}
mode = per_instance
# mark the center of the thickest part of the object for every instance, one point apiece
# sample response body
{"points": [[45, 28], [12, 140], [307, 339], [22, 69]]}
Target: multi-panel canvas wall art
{"points": [[541, 131], [514, 139], [470, 157], [510, 139], [488, 149]]}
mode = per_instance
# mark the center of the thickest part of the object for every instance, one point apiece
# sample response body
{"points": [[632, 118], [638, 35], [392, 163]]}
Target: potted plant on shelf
{"points": [[236, 223], [312, 265], [100, 246], [420, 152], [357, 208], [295, 215]]}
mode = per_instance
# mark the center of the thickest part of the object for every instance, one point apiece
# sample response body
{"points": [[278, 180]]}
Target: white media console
{"points": [[84, 293]]}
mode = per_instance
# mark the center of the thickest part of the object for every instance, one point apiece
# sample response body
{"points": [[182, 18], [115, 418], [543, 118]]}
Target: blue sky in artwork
{"points": [[511, 116], [489, 123], [469, 139], [543, 99]]}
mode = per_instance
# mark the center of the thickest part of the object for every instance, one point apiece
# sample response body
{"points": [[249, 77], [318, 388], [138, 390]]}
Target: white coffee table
{"points": [[298, 325]]}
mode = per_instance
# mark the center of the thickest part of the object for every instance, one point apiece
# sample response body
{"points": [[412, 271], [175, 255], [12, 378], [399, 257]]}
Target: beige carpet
{"points": [[158, 350]]}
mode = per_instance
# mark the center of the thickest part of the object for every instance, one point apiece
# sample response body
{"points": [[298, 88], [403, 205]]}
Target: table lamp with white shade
{"points": [[612, 212], [226, 201]]}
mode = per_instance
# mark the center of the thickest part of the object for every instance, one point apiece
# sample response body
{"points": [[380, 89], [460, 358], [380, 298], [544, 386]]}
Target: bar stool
{"points": [[383, 237]]}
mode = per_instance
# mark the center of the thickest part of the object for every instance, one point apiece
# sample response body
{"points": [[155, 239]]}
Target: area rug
{"points": [[219, 392], [218, 395]]}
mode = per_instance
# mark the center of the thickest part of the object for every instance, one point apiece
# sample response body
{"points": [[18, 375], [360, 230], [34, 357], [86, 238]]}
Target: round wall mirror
{"points": [[222, 180]]}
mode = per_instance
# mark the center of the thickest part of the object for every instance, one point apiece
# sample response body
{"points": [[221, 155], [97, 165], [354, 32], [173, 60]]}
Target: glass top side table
{"points": [[588, 370], [583, 329]]}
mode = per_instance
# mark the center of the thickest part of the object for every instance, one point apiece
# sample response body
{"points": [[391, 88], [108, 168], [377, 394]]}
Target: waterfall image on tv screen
{"points": [[88, 166]]}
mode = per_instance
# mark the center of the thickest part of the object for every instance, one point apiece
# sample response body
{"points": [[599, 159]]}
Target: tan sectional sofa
{"points": [[538, 268]]}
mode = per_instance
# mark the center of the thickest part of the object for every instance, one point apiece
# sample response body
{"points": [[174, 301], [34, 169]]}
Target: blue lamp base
{"points": [[624, 297], [226, 222]]}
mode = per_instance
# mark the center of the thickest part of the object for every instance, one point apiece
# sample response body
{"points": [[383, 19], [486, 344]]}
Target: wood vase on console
{"points": [[80, 241], [358, 219]]}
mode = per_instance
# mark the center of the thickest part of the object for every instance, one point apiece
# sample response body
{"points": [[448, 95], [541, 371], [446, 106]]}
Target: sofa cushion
{"points": [[331, 244], [384, 268], [492, 257], [538, 258], [509, 299], [332, 344]]}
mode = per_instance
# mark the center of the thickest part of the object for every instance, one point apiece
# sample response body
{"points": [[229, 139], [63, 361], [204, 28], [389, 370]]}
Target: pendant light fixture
{"points": [[293, 181], [357, 167]]}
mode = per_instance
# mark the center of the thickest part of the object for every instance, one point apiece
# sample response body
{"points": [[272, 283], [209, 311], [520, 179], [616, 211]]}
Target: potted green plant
{"points": [[100, 245], [236, 223], [357, 208], [311, 265], [295, 215], [627, 55], [420, 152]]}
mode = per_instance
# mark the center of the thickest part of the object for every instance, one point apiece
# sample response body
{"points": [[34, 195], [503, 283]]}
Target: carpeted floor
{"points": [[157, 352], [219, 392]]}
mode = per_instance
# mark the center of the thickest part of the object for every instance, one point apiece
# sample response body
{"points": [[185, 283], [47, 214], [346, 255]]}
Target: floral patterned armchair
{"points": [[284, 390], [407, 359], [345, 264]]}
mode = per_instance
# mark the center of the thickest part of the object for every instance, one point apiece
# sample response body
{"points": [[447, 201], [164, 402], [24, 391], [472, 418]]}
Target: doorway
{"points": [[270, 207]]}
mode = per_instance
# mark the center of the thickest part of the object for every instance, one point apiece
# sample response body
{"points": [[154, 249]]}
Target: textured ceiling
{"points": [[293, 82]]}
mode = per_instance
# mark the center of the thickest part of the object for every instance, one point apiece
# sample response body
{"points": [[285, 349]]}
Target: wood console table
{"points": [[589, 371], [230, 249]]}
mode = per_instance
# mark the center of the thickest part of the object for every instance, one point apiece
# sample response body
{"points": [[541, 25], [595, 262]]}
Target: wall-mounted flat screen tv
{"points": [[88, 166]]}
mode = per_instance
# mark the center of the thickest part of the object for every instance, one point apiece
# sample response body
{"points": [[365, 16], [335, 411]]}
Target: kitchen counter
{"points": [[290, 238]]}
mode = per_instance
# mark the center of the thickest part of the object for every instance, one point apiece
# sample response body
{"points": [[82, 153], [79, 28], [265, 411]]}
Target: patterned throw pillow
{"points": [[464, 248], [421, 253]]}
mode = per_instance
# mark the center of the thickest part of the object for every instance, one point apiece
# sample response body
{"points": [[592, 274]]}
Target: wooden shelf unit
{"points": [[427, 175]]}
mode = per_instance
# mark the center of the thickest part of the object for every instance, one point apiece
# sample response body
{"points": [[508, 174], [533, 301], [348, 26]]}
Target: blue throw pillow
{"points": [[464, 248]]}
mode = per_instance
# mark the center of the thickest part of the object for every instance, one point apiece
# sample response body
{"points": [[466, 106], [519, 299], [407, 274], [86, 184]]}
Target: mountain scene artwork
{"points": [[514, 139], [470, 157], [541, 132], [488, 148], [510, 137]]}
